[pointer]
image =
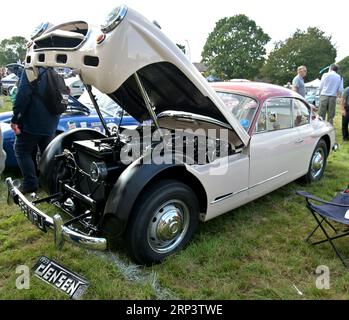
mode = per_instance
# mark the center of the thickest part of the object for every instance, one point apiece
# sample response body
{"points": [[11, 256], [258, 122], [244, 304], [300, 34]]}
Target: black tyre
{"points": [[163, 221], [317, 163]]}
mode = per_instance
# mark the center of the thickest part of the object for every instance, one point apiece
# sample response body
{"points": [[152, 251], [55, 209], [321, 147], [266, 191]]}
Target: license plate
{"points": [[35, 218], [60, 277]]}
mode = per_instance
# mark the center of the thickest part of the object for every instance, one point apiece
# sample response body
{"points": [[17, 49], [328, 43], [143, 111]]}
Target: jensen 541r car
{"points": [[205, 151]]}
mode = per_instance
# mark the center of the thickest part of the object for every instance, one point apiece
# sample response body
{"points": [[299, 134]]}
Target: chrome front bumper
{"points": [[44, 222]]}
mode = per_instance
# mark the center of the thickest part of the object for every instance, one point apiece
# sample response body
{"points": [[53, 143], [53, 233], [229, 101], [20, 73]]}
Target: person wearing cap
{"points": [[298, 81], [330, 87]]}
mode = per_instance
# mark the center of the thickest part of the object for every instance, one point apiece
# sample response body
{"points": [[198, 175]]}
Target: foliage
{"points": [[311, 48], [235, 48], [344, 70], [12, 50]]}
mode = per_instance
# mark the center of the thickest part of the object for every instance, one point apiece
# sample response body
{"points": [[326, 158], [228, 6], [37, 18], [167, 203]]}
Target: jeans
{"points": [[26, 147], [328, 106], [345, 123]]}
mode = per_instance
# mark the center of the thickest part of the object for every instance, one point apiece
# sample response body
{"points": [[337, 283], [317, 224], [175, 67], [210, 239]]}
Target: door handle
{"points": [[299, 141]]}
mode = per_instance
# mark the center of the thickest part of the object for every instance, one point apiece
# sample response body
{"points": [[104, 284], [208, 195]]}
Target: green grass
{"points": [[5, 104], [255, 252]]}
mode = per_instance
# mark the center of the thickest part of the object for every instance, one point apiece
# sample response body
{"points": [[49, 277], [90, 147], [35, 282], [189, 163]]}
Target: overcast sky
{"points": [[188, 21]]}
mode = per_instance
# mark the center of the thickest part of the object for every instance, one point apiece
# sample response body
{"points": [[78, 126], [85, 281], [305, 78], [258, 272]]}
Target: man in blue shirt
{"points": [[331, 85], [34, 126], [298, 81]]}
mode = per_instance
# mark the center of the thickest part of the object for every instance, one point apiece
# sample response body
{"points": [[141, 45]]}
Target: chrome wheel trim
{"points": [[317, 163], [168, 226]]}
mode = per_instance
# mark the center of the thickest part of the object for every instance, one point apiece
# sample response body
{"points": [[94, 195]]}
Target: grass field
{"points": [[255, 252]]}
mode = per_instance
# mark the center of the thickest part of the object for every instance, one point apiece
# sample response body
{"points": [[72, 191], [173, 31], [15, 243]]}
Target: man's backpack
{"points": [[56, 95]]}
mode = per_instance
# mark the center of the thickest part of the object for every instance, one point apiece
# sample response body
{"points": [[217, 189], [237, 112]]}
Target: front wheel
{"points": [[163, 221], [317, 163]]}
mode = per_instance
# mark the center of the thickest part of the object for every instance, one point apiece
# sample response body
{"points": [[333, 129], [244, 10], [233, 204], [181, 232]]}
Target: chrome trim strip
{"points": [[83, 41], [267, 180], [230, 195]]}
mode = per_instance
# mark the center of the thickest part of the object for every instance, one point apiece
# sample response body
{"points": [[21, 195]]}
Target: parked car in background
{"points": [[14, 71], [7, 83], [313, 97], [64, 72], [212, 78], [75, 86], [239, 80], [15, 68], [77, 115], [265, 137]]}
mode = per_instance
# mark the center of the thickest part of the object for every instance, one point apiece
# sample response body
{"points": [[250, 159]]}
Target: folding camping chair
{"points": [[326, 211]]}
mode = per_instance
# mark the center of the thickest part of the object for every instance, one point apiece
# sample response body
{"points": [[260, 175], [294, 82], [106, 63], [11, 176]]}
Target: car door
{"points": [[273, 148], [226, 179], [306, 141]]}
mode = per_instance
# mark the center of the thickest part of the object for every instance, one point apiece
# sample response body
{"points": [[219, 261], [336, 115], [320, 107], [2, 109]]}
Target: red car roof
{"points": [[259, 90]]}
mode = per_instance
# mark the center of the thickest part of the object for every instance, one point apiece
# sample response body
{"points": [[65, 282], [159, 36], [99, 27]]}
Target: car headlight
{"points": [[39, 30], [114, 18], [98, 171]]}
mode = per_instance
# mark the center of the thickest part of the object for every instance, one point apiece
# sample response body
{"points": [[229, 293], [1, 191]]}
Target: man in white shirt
{"points": [[331, 86]]}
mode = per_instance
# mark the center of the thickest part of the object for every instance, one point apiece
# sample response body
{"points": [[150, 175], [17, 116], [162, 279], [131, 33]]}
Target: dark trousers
{"points": [[26, 147], [345, 123]]}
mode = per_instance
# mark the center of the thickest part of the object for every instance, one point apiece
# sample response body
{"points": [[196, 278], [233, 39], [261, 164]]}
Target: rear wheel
{"points": [[164, 220], [317, 163]]}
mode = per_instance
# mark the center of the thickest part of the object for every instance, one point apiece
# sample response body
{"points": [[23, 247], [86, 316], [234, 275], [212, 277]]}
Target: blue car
{"points": [[78, 115]]}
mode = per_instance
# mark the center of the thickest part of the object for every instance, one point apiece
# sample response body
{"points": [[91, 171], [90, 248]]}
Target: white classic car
{"points": [[202, 150]]}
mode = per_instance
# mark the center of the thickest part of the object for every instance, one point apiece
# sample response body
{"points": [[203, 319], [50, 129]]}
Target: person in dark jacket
{"points": [[33, 125], [2, 154], [345, 114]]}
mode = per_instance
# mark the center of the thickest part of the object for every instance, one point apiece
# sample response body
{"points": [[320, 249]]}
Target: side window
{"points": [[261, 125], [301, 114], [279, 114]]}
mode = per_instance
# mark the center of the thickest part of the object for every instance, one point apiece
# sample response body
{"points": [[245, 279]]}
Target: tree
{"points": [[344, 70], [311, 48], [12, 50], [235, 48]]}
